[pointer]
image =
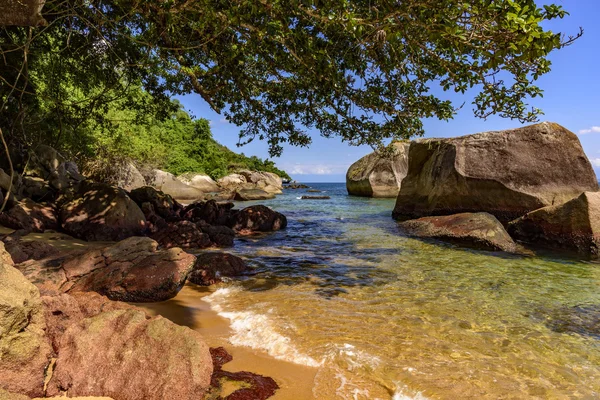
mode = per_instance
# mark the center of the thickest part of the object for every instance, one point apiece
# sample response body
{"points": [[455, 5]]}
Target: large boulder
{"points": [[184, 234], [125, 355], [25, 351], [252, 194], [132, 270], [210, 212], [476, 230], [162, 203], [267, 181], [574, 226], [505, 173], [128, 177], [257, 219], [232, 181], [30, 216], [200, 181], [379, 175], [5, 257], [101, 212], [210, 268], [168, 183]]}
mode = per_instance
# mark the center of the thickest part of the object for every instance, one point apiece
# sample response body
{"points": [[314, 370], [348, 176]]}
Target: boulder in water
{"points": [[252, 194], [258, 219], [572, 226], [379, 175], [505, 173], [210, 268], [184, 234], [477, 230]]}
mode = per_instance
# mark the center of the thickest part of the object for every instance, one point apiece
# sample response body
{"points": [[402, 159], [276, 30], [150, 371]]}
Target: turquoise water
{"points": [[386, 316]]}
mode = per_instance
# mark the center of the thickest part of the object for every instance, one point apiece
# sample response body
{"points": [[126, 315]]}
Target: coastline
{"points": [[189, 309]]}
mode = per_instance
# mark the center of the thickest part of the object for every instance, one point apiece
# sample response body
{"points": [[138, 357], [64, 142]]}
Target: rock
{"points": [[583, 320], [210, 212], [5, 257], [203, 182], [220, 235], [48, 164], [21, 250], [24, 349], [184, 234], [253, 386], [313, 191], [478, 230], [505, 173], [162, 203], [315, 198], [232, 181], [36, 189], [379, 175], [132, 270], [124, 355], [30, 216], [4, 395], [128, 177], [101, 212], [266, 181], [169, 184], [211, 267], [258, 219], [296, 186], [572, 226], [252, 194]]}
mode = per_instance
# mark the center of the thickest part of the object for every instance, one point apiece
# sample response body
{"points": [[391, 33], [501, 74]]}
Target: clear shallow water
{"points": [[385, 316]]}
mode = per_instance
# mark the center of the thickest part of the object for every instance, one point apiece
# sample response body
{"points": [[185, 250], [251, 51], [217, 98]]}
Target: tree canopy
{"points": [[364, 71]]}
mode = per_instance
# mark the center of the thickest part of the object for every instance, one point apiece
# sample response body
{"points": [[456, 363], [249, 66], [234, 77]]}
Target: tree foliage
{"points": [[365, 71]]}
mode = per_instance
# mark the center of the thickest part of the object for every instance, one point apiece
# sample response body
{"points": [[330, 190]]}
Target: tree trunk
{"points": [[21, 12]]}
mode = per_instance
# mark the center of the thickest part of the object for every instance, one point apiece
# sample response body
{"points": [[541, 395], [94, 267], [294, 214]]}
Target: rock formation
{"points": [[377, 175]]}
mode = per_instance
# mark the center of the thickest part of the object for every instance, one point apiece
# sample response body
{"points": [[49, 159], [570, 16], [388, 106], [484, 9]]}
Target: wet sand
{"points": [[187, 308]]}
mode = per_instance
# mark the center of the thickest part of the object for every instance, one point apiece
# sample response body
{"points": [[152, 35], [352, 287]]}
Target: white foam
{"points": [[401, 395], [258, 332]]}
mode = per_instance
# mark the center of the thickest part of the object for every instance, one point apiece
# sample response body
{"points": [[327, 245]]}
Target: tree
{"points": [[360, 70]]}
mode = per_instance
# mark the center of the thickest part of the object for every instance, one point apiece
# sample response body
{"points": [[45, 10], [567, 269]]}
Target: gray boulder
{"points": [[377, 175], [200, 181], [128, 177], [169, 184], [505, 173]]}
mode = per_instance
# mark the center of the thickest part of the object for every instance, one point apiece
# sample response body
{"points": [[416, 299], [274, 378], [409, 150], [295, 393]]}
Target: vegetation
{"points": [[365, 71]]}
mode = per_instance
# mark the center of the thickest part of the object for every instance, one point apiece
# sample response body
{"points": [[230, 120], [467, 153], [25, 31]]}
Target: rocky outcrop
{"points": [[101, 212], [221, 236], [477, 230], [210, 212], [5, 257], [21, 250], [125, 355], [169, 184], [572, 226], [505, 173], [30, 216], [258, 219], [377, 174], [232, 181], [210, 268], [267, 181], [24, 349], [252, 194], [132, 270], [200, 181], [162, 203]]}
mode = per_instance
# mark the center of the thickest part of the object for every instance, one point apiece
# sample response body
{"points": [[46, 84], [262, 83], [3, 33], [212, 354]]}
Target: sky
{"points": [[571, 98]]}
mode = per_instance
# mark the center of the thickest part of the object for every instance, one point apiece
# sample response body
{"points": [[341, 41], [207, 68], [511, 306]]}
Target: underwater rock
{"points": [[211, 267], [258, 219]]}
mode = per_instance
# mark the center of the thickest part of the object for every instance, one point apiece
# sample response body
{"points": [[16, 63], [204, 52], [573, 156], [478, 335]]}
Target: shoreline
{"points": [[189, 309]]}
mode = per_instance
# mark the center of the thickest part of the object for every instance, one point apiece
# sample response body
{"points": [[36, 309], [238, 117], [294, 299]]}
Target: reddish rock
{"points": [[210, 212], [221, 236], [259, 387], [258, 219], [478, 230], [211, 267], [101, 212], [184, 234], [30, 216], [125, 355], [132, 270], [24, 349], [23, 250]]}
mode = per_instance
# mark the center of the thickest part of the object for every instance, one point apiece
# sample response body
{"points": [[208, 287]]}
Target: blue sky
{"points": [[571, 98]]}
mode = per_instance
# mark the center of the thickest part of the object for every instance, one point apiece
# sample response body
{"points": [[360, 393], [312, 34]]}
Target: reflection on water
{"points": [[382, 315]]}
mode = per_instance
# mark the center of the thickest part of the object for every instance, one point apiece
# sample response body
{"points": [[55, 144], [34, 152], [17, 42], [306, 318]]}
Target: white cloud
{"points": [[595, 162], [223, 121], [593, 129], [314, 169]]}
